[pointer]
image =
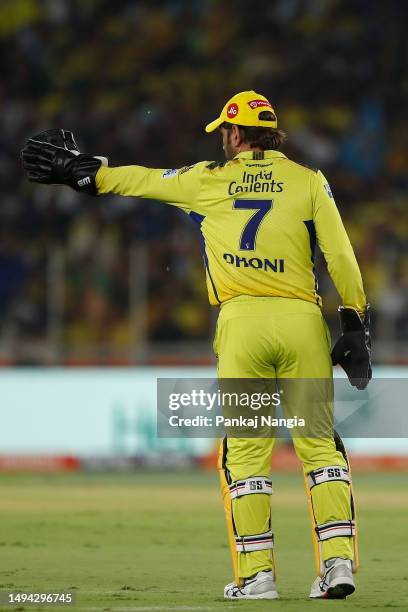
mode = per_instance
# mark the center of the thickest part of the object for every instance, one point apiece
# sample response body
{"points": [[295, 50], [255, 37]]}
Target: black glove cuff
{"points": [[351, 321], [83, 173]]}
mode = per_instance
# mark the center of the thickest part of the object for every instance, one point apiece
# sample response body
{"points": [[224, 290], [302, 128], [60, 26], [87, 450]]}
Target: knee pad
{"points": [[331, 529], [247, 539], [255, 485], [339, 528], [328, 474], [250, 486]]}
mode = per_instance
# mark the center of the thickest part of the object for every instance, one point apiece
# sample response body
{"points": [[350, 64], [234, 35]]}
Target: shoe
{"points": [[261, 586], [337, 581]]}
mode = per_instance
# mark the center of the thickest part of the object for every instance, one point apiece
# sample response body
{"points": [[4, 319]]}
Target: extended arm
{"points": [[336, 248], [175, 186], [54, 161], [353, 349]]}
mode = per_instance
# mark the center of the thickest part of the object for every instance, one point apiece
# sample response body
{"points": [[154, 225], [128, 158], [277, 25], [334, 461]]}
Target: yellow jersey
{"points": [[260, 215]]}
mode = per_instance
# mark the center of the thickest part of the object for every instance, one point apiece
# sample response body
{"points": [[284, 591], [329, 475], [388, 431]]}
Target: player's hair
{"points": [[260, 137]]}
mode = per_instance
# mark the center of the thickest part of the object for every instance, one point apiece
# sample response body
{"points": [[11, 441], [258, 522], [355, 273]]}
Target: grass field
{"points": [[157, 542]]}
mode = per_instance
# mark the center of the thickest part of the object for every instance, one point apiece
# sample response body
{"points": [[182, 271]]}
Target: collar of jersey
{"points": [[266, 154]]}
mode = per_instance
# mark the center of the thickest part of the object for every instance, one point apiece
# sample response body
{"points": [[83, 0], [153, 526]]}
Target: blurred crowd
{"points": [[137, 81]]}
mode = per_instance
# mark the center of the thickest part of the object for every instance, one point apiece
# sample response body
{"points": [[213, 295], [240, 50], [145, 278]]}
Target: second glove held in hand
{"points": [[353, 349]]}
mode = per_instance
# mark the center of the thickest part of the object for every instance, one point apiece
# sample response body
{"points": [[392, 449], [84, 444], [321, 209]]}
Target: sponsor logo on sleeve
{"points": [[170, 172], [186, 169], [232, 110]]}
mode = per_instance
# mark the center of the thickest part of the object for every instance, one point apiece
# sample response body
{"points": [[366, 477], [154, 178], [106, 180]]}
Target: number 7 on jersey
{"points": [[250, 231]]}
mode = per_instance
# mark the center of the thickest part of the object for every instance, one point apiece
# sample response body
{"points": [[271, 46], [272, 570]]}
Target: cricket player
{"points": [[260, 216]]}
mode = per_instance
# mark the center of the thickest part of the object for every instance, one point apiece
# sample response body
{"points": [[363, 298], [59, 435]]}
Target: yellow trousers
{"points": [[276, 338]]}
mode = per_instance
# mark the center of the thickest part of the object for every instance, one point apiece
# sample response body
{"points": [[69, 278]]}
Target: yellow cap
{"points": [[244, 109]]}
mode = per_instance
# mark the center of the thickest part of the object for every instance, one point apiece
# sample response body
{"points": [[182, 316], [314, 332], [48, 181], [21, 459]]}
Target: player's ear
{"points": [[235, 136]]}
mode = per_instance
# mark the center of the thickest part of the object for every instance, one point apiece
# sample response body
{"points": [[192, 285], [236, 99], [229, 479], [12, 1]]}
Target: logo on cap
{"points": [[256, 103], [232, 110]]}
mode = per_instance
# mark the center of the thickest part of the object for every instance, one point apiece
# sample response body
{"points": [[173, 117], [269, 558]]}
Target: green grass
{"points": [[157, 542]]}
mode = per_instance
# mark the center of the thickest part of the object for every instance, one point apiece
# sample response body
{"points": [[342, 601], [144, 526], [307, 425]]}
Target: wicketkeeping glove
{"points": [[59, 138], [52, 157], [353, 349]]}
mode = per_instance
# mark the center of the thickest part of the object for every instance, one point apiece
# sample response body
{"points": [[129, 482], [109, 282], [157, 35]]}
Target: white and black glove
{"points": [[53, 157]]}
